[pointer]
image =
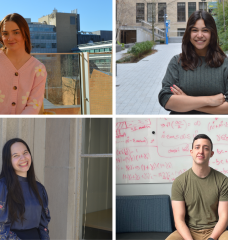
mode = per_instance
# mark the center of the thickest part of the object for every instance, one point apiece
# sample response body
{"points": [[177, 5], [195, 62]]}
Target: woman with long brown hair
{"points": [[22, 77], [196, 81], [24, 210]]}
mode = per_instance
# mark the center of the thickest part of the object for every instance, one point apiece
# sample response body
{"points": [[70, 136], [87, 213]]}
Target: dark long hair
{"points": [[214, 56], [23, 26], [15, 199]]}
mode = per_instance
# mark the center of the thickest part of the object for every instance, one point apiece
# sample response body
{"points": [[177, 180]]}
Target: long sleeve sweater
{"points": [[21, 91], [203, 81], [35, 215]]}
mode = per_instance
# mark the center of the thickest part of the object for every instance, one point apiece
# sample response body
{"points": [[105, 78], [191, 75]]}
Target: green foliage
{"points": [[219, 20], [141, 48], [122, 45]]}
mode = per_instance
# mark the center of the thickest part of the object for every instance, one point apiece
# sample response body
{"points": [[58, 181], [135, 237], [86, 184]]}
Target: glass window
{"points": [[37, 36], [180, 32], [72, 20], [91, 51], [203, 6], [107, 50], [37, 45], [54, 45], [53, 36], [151, 12], [48, 45], [139, 12], [161, 8], [46, 30], [48, 36], [43, 45], [42, 36], [181, 12], [96, 50], [102, 50], [191, 8]]}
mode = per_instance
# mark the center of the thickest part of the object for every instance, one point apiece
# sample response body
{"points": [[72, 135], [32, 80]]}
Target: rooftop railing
{"points": [[67, 85]]}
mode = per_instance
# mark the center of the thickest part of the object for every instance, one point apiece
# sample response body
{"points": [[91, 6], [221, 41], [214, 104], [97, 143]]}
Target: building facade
{"points": [[43, 37], [135, 17], [67, 26]]}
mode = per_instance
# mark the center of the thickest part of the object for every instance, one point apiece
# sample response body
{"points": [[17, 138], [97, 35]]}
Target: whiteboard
{"points": [[157, 150]]}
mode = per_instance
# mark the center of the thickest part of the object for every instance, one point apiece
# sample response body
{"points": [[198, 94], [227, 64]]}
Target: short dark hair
{"points": [[202, 136]]}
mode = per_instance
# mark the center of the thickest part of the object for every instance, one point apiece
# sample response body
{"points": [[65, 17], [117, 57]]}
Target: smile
{"points": [[200, 41], [25, 164]]}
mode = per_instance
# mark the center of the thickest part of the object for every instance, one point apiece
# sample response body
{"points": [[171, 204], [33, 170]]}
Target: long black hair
{"points": [[214, 56], [15, 199]]}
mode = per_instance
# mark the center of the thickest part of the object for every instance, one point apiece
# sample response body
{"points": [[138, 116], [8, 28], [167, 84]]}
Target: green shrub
{"points": [[141, 48]]}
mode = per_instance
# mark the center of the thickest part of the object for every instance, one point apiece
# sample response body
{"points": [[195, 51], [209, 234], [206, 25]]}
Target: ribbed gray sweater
{"points": [[203, 81]]}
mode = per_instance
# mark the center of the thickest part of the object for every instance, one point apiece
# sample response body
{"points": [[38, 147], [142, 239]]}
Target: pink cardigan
{"points": [[21, 91]]}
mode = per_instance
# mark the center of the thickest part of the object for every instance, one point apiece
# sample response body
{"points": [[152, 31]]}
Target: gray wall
{"points": [[55, 145]]}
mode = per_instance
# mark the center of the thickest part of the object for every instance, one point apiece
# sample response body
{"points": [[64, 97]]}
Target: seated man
{"points": [[200, 197]]}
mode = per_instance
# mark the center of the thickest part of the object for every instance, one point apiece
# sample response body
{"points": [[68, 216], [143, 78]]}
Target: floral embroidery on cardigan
{"points": [[40, 70], [35, 103], [1, 97], [25, 98]]}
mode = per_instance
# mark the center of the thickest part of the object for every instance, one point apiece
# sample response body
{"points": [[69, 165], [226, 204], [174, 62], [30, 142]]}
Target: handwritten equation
{"points": [[158, 150]]}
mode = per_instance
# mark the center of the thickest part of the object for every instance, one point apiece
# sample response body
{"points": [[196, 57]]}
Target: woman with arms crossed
{"points": [[24, 210], [196, 81], [22, 77]]}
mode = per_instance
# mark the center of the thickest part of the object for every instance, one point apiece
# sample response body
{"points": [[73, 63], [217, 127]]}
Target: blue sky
{"points": [[94, 14]]}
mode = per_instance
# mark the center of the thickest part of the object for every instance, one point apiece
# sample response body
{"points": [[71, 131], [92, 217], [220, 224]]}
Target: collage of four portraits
{"points": [[111, 162]]}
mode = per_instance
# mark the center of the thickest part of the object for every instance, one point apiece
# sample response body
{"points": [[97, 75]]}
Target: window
{"points": [[139, 12], [161, 8], [203, 6], [151, 12], [43, 45], [72, 20], [48, 45], [96, 50], [191, 8], [180, 32], [54, 45], [181, 12]]}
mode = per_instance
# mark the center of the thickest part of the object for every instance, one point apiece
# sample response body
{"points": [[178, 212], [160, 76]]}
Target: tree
{"points": [[221, 27]]}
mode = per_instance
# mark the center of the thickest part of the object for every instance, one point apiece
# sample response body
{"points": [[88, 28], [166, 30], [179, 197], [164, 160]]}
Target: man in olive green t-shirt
{"points": [[200, 197]]}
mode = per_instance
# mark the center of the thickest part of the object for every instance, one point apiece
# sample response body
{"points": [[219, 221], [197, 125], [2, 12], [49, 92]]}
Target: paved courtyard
{"points": [[138, 84]]}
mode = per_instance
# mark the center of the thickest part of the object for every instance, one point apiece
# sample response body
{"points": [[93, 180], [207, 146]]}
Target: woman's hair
{"points": [[15, 199], [23, 26], [214, 56]]}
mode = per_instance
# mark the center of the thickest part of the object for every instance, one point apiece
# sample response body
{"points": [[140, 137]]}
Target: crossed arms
{"points": [[180, 102], [179, 218]]}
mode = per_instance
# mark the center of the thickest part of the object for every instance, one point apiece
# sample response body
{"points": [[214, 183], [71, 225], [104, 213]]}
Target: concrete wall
{"points": [[66, 33], [55, 148], [142, 35]]}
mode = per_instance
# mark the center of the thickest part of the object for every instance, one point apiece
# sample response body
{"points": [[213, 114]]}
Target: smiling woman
{"points": [[22, 77], [24, 210], [196, 81]]}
